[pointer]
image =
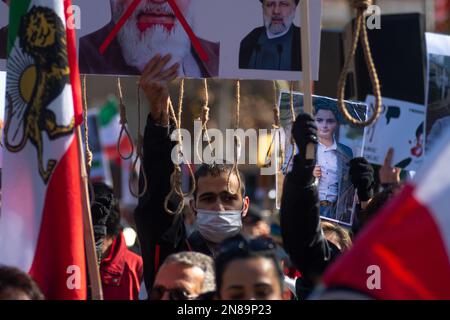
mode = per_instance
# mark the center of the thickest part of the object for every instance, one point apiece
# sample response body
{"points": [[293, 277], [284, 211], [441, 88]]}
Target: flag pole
{"points": [[306, 68], [89, 242]]}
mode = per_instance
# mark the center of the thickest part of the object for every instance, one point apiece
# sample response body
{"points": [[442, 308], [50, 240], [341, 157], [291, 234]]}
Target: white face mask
{"points": [[216, 226]]}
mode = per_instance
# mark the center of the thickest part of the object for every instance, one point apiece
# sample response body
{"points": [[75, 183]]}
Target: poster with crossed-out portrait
{"points": [[233, 39]]}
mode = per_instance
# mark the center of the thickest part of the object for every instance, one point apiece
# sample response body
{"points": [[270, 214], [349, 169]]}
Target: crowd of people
{"points": [[229, 254]]}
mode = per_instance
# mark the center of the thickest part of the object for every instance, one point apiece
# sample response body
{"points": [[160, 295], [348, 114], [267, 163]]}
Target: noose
{"points": [[86, 128], [139, 154], [291, 104], [177, 176], [360, 32], [123, 124], [276, 126], [86, 141], [237, 143], [204, 119]]}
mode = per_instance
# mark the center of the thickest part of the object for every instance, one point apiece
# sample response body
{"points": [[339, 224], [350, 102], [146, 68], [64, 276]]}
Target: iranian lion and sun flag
{"points": [[41, 222]]}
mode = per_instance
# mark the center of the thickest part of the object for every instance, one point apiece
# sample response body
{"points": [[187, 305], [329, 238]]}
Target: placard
{"points": [[339, 142], [401, 127]]}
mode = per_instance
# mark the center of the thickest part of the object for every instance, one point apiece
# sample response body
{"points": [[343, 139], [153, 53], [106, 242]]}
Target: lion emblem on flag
{"points": [[38, 71]]}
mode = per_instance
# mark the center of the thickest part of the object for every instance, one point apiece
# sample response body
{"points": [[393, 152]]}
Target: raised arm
{"points": [[159, 233]]}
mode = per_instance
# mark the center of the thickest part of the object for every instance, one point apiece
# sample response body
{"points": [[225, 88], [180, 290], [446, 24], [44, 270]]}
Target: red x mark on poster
{"points": [[194, 40]]}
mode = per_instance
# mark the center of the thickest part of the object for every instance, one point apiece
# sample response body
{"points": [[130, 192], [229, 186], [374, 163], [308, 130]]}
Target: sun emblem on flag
{"points": [[38, 72]]}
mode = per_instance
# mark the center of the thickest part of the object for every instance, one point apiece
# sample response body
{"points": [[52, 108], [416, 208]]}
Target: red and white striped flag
{"points": [[41, 226], [407, 246]]}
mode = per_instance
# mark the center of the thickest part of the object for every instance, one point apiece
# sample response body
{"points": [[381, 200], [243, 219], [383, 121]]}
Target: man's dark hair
{"points": [[375, 204], [324, 106], [105, 209], [215, 170], [227, 256], [13, 278]]}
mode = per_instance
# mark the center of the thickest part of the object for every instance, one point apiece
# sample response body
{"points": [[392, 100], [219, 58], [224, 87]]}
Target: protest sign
{"points": [[400, 127], [339, 142], [224, 39], [438, 87]]}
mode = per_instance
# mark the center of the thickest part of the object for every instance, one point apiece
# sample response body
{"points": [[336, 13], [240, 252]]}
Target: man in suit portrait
{"points": [[275, 45], [151, 29]]}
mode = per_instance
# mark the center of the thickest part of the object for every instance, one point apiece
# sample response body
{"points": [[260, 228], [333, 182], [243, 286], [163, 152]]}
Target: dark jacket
{"points": [[250, 42], [302, 235], [112, 61], [160, 234], [3, 42], [121, 272], [344, 203]]}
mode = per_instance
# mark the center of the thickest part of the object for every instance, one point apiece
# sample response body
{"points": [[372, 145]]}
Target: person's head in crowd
{"points": [[278, 15], [327, 124], [254, 225], [18, 285], [374, 205], [152, 29], [219, 202], [337, 235], [105, 212], [249, 270], [184, 276]]}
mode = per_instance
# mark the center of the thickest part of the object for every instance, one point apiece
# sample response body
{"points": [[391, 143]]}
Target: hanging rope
{"points": [[237, 142], [204, 119], [86, 141], [276, 124], [123, 124], [86, 128], [360, 32], [291, 104], [139, 154], [176, 178]]}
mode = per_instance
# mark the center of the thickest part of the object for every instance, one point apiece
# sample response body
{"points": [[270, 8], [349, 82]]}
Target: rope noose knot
{"points": [[361, 4], [205, 115], [360, 33], [123, 114], [140, 144]]}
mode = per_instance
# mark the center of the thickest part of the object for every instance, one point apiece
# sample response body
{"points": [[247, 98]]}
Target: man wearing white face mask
{"points": [[219, 212]]}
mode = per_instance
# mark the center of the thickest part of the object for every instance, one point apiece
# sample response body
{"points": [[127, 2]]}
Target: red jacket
{"points": [[121, 272]]}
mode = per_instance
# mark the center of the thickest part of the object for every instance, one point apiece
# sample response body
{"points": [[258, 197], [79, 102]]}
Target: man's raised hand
{"points": [[388, 174], [155, 81]]}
